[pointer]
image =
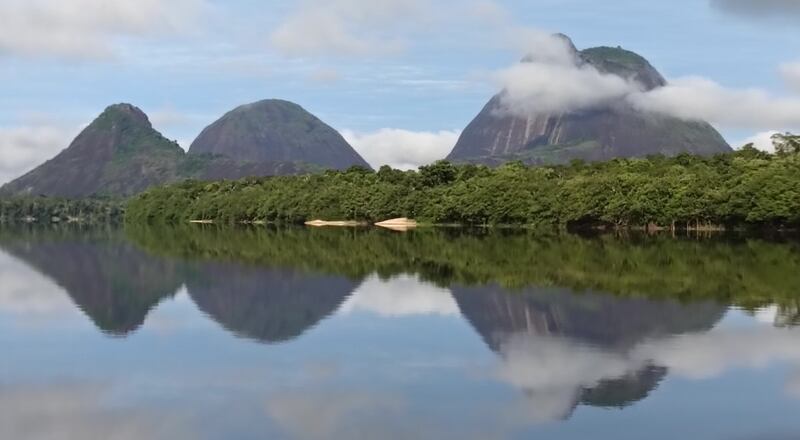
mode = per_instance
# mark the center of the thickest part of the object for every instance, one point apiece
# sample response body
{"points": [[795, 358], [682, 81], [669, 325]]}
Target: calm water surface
{"points": [[297, 334]]}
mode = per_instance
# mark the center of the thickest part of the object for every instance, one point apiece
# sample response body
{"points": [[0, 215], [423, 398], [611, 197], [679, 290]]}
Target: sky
{"points": [[398, 78]]}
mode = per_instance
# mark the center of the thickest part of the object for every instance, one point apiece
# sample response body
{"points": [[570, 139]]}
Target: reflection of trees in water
{"points": [[788, 315], [750, 273], [564, 349]]}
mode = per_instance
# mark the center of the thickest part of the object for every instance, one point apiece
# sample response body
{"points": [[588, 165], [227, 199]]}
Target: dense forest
{"points": [[745, 188], [750, 273], [53, 210]]}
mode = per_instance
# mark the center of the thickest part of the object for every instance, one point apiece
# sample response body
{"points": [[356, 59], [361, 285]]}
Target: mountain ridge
{"points": [[120, 154], [614, 130]]}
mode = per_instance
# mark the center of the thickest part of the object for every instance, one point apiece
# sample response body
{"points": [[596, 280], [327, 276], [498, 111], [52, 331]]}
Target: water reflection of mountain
{"points": [[266, 304], [115, 283], [564, 349]]}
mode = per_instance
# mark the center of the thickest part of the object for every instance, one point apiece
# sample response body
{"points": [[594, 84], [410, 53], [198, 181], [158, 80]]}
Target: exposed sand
{"points": [[398, 224], [341, 224]]}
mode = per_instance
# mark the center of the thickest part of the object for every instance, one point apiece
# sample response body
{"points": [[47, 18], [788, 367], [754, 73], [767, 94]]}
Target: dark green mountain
{"points": [[614, 130], [118, 154], [121, 154], [275, 130]]}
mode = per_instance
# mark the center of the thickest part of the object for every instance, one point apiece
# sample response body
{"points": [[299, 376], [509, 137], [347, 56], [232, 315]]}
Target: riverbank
{"points": [[745, 189]]}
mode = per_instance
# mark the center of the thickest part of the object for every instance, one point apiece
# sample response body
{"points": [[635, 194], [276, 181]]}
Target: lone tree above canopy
{"points": [[786, 143]]}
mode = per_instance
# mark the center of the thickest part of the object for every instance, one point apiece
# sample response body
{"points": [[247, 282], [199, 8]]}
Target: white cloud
{"points": [[325, 76], [79, 411], [761, 141], [402, 149], [791, 75], [26, 295], [541, 87], [401, 296], [697, 98], [334, 28], [553, 83], [345, 27], [87, 28], [24, 147]]}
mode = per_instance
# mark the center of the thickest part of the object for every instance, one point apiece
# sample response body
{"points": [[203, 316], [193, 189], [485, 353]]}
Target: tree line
{"points": [[744, 188], [56, 210]]}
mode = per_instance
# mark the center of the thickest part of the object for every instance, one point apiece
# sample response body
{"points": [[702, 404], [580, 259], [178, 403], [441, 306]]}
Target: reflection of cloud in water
{"points": [[334, 413], [77, 412], [345, 415], [551, 369], [24, 292], [700, 356], [401, 296], [554, 371], [767, 315], [793, 386]]}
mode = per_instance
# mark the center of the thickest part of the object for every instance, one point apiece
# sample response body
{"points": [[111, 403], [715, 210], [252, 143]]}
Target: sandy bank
{"points": [[398, 224], [343, 224]]}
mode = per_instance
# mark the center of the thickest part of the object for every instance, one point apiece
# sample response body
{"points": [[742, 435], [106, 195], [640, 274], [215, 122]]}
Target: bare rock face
{"points": [[118, 154], [276, 131], [611, 131]]}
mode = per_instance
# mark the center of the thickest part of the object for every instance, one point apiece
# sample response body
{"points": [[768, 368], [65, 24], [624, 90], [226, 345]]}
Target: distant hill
{"points": [[275, 130], [120, 154], [616, 130]]}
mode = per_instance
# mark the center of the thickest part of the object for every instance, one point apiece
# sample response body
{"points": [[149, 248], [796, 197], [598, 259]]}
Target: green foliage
{"points": [[614, 55], [746, 188], [786, 143], [55, 210]]}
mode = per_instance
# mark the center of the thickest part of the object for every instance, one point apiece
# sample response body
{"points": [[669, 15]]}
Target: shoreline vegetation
{"points": [[89, 211], [746, 189]]}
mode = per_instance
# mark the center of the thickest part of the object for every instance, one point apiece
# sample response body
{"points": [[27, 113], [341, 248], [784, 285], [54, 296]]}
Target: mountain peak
{"points": [[119, 153], [274, 130], [568, 53], [567, 40], [125, 112], [623, 63], [599, 133], [266, 103]]}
